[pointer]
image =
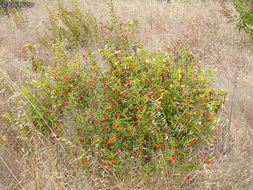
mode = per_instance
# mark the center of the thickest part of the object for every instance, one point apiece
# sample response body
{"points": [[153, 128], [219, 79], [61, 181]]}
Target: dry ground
{"points": [[213, 41]]}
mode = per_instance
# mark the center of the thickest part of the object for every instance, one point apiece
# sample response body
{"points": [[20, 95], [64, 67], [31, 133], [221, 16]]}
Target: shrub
{"points": [[244, 19], [79, 28], [150, 107]]}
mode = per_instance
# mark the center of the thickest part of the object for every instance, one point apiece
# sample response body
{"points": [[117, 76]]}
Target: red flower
{"points": [[174, 149], [118, 115], [161, 144], [117, 99], [54, 72], [203, 157], [77, 70], [95, 77], [140, 107], [186, 100], [190, 144], [128, 81], [138, 116], [79, 165], [74, 121], [66, 103], [105, 84], [117, 153], [154, 88], [208, 162], [112, 102], [84, 55], [54, 130], [173, 158], [188, 177], [108, 140], [66, 77], [112, 161], [96, 122], [183, 91], [156, 145], [86, 50], [123, 94], [39, 38], [85, 162]]}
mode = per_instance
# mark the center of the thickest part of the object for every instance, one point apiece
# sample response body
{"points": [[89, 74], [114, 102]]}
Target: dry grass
{"points": [[215, 43]]}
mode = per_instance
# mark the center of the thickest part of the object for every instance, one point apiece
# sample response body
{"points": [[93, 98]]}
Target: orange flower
{"points": [[85, 162], [116, 124], [189, 111], [140, 107], [114, 137], [79, 165], [210, 116], [202, 113], [190, 144], [74, 121], [147, 98], [112, 161], [122, 94], [138, 116]]}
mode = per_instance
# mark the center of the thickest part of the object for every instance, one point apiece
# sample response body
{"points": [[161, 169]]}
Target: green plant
{"points": [[150, 107], [79, 28], [244, 19]]}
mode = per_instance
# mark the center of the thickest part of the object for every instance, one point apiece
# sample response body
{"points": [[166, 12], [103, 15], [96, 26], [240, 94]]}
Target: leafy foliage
{"points": [[244, 19], [123, 104]]}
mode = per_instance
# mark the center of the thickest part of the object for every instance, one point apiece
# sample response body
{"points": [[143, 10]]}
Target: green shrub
{"points": [[150, 107], [243, 20], [79, 28]]}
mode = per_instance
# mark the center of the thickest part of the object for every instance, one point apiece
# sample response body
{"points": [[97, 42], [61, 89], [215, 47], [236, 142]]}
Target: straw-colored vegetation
{"points": [[117, 95]]}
